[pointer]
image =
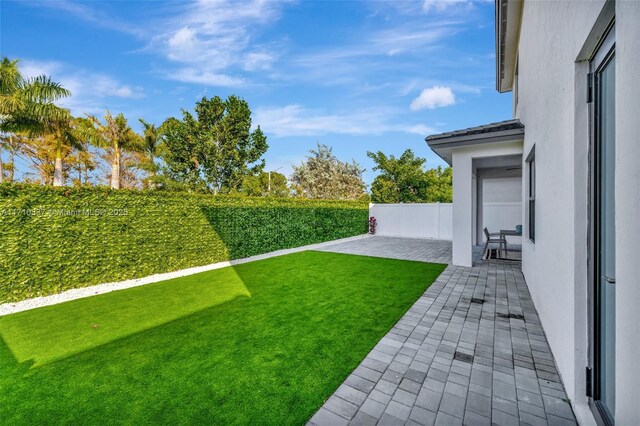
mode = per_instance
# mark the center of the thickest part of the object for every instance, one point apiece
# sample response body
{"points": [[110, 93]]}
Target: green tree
{"points": [[69, 135], [152, 146], [41, 152], [115, 135], [27, 104], [13, 143], [404, 180], [440, 185], [258, 185], [324, 176], [215, 149]]}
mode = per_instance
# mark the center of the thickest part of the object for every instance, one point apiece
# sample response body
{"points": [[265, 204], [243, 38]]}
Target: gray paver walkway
{"points": [[470, 351], [437, 251]]}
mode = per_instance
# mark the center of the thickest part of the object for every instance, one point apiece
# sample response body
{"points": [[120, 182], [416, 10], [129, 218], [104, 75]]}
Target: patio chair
{"points": [[491, 238]]}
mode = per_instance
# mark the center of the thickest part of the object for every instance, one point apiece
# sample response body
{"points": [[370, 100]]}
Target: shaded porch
{"points": [[487, 182]]}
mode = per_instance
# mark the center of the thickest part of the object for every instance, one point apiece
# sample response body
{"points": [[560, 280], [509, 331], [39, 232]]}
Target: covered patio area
{"points": [[487, 182], [470, 351]]}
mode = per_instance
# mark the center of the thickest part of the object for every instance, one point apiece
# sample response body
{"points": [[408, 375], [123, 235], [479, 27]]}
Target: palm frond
{"points": [[10, 77], [10, 104], [43, 89]]}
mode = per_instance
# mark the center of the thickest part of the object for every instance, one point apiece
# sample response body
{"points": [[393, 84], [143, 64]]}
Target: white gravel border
{"points": [[79, 293]]}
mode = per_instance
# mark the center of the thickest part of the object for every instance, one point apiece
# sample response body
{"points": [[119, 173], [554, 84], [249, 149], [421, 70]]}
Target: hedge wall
{"points": [[54, 239]]}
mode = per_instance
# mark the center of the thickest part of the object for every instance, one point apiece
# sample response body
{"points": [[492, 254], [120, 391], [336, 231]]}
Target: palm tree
{"points": [[27, 104], [152, 143], [114, 134], [12, 143], [68, 134]]}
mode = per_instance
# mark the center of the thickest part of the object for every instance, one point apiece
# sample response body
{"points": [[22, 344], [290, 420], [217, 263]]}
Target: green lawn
{"points": [[265, 342]]}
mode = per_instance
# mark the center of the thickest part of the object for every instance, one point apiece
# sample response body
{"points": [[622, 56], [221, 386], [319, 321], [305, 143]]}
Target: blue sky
{"points": [[354, 75]]}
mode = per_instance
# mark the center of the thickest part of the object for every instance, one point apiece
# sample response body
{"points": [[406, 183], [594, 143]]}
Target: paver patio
{"points": [[470, 351]]}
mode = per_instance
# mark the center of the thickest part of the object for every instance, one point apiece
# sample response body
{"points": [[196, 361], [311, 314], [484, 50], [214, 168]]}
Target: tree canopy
{"points": [[28, 105], [215, 149], [265, 185], [404, 180], [114, 135], [324, 176]]}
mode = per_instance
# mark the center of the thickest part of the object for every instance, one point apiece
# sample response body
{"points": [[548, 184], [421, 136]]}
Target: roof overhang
{"points": [[505, 131], [508, 17]]}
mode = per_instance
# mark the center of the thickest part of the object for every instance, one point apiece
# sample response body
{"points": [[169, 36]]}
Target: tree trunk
{"points": [[1, 170], [57, 172], [115, 168], [152, 173], [86, 174], [12, 160]]}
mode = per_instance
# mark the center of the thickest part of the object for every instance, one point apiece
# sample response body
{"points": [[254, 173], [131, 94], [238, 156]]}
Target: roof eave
{"points": [[508, 17], [444, 145], [462, 140]]}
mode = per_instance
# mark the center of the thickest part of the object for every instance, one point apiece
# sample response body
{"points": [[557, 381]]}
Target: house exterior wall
{"points": [[627, 212], [465, 190], [502, 205], [552, 106], [546, 99]]}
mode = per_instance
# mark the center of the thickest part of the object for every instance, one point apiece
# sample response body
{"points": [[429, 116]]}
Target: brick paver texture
{"points": [[470, 351]]}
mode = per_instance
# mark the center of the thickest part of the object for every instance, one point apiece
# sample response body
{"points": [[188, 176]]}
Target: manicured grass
{"points": [[260, 343]]}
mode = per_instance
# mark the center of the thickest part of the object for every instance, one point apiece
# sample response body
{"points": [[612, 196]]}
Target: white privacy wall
{"points": [[430, 220], [502, 205]]}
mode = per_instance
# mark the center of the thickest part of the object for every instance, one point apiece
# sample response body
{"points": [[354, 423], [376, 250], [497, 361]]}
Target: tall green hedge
{"points": [[54, 239]]}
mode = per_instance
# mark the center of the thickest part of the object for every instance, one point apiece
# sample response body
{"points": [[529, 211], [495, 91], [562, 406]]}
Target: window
{"points": [[531, 160]]}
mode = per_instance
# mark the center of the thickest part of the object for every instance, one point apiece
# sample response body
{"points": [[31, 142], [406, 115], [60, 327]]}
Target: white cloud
{"points": [[211, 37], [105, 86], [421, 129], [90, 91], [183, 44], [434, 97], [397, 40], [208, 78], [441, 5], [258, 61], [90, 14], [295, 120]]}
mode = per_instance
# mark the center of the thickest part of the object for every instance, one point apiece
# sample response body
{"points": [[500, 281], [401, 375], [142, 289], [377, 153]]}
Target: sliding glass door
{"points": [[604, 232]]}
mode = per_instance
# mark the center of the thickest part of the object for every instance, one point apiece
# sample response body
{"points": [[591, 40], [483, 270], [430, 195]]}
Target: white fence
{"points": [[432, 220], [435, 220], [502, 215]]}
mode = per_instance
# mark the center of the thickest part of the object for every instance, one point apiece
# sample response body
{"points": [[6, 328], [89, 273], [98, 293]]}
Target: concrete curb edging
{"points": [[79, 293]]}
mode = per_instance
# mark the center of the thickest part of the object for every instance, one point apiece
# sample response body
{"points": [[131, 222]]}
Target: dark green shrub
{"points": [[54, 239]]}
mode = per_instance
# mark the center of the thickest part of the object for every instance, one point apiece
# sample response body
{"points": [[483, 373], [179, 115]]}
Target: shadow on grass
{"points": [[264, 342], [54, 332], [272, 358], [11, 370]]}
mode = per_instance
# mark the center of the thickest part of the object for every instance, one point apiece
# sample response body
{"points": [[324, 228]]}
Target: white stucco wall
{"points": [[464, 188], [628, 212], [552, 106], [545, 106], [413, 220], [502, 205]]}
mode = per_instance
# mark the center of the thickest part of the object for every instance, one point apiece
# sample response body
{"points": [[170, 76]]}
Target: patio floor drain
{"points": [[511, 316], [459, 356], [477, 300]]}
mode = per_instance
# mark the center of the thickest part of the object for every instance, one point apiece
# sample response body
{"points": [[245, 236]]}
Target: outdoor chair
{"points": [[495, 237]]}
